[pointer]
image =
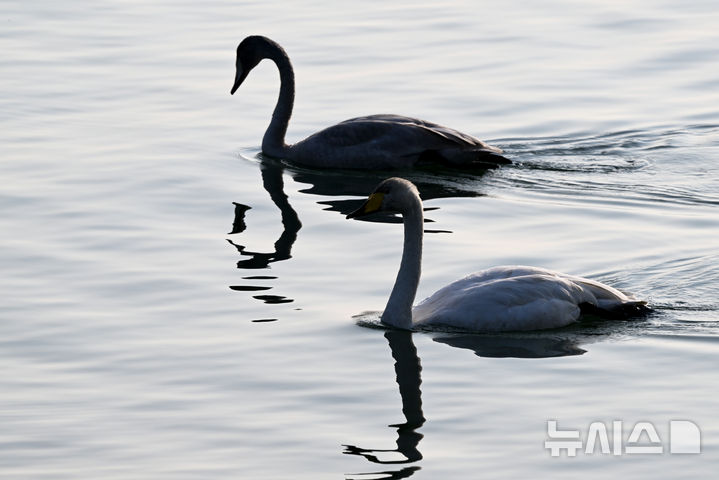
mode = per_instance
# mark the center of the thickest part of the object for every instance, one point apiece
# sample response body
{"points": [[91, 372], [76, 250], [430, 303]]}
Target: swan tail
{"points": [[617, 310], [466, 159]]}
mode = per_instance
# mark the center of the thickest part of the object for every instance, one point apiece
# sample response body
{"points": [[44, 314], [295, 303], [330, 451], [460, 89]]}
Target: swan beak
{"points": [[373, 204], [240, 76]]}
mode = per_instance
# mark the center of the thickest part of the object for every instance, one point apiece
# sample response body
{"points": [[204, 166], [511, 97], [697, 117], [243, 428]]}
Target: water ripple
{"points": [[619, 166]]}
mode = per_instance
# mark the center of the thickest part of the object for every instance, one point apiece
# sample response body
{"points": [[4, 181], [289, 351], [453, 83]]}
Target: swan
{"points": [[506, 298], [371, 142]]}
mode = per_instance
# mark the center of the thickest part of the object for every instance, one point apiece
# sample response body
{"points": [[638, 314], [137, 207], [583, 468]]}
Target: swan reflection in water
{"points": [[433, 182], [408, 368], [273, 183], [516, 346]]}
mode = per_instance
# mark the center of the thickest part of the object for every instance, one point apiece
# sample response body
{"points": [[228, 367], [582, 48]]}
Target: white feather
{"points": [[498, 299]]}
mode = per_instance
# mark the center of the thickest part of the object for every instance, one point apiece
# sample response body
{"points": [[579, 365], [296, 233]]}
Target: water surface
{"points": [[176, 306]]}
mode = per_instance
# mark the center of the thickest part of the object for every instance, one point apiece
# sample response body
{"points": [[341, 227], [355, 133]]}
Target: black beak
{"points": [[360, 212], [371, 205], [239, 78]]}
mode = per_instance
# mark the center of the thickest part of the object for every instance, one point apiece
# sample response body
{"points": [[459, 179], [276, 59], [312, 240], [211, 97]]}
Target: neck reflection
{"points": [[408, 375], [273, 183]]}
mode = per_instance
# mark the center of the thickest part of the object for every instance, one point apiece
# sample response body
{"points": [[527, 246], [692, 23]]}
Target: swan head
{"points": [[249, 54], [391, 195]]}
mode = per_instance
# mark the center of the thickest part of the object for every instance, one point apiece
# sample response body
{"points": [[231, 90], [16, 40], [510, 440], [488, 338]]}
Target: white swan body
{"points": [[503, 298], [371, 142]]}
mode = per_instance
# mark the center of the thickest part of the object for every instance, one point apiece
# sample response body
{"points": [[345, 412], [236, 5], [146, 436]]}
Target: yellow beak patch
{"points": [[373, 203]]}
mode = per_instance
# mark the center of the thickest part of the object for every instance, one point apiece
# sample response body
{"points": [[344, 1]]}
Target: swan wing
{"points": [[391, 141], [515, 298], [431, 131]]}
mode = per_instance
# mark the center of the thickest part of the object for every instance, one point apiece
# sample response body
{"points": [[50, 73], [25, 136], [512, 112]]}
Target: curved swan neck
{"points": [[273, 143], [398, 311]]}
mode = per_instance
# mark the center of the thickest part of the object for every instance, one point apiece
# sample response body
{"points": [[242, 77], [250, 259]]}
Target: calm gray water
{"points": [[174, 306]]}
